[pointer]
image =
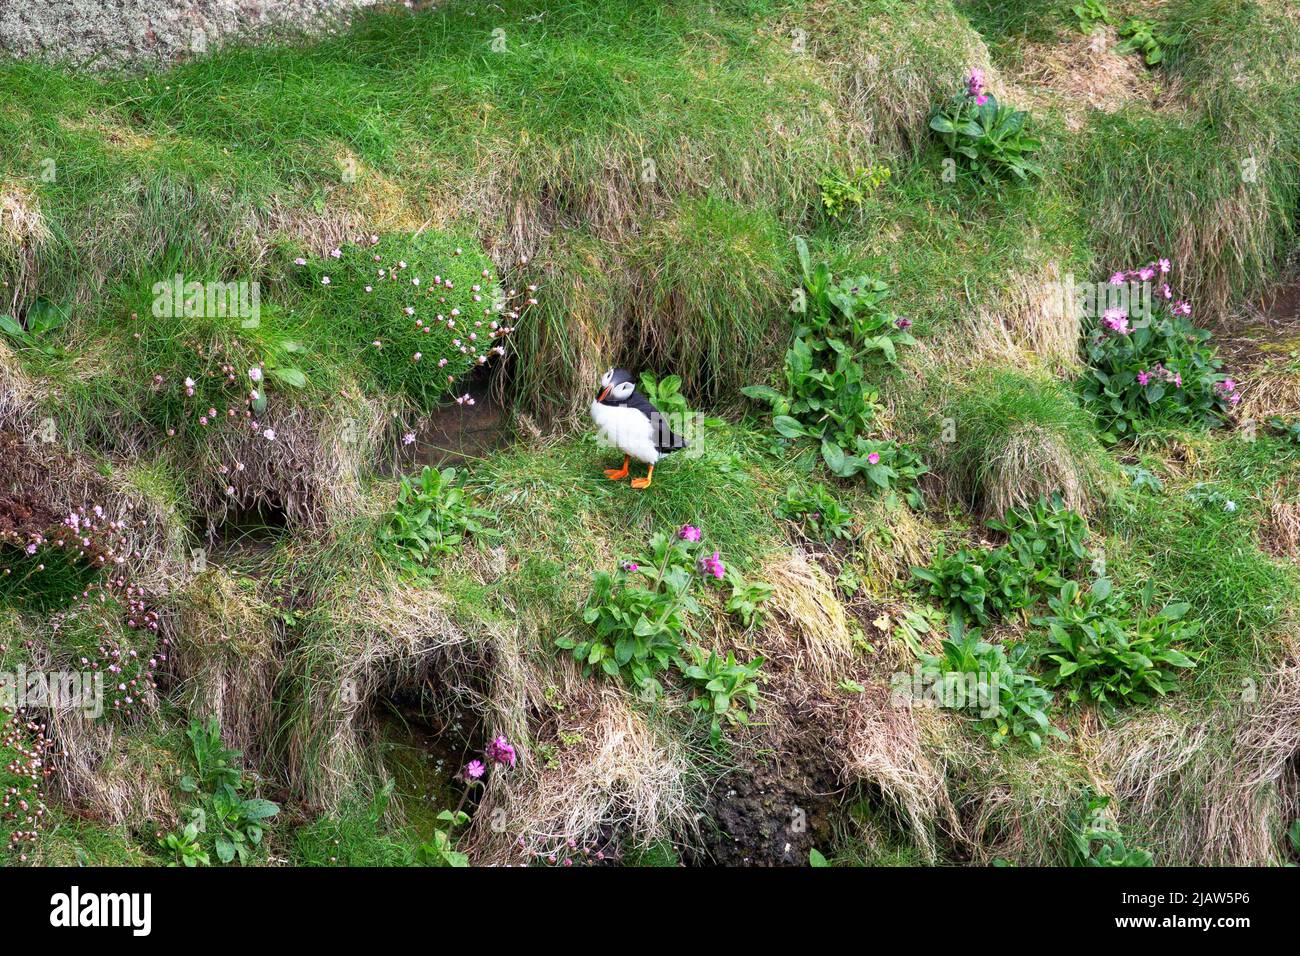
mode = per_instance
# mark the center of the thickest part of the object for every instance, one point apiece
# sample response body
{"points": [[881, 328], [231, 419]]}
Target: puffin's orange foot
{"points": [[615, 474], [639, 483]]}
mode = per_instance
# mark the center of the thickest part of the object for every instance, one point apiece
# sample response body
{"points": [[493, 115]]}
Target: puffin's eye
{"points": [[605, 379], [624, 389]]}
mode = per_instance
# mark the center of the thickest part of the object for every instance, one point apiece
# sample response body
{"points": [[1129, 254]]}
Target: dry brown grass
{"points": [[1215, 787], [312, 472], [224, 654], [23, 236], [613, 774], [1077, 73], [107, 771]]}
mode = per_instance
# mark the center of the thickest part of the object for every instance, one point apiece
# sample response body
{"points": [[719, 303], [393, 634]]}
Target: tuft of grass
{"points": [[1008, 437]]}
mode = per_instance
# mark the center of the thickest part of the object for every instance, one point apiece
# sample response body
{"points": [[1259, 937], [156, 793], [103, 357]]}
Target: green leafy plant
{"points": [[665, 394], [1046, 535], [1289, 431], [43, 318], [1146, 37], [747, 598], [985, 137], [1009, 701], [1161, 370], [1108, 652], [845, 332], [223, 819], [1097, 841], [957, 582], [638, 616], [433, 515], [441, 850], [1045, 542], [815, 509], [725, 689], [842, 191], [1089, 13], [185, 847]]}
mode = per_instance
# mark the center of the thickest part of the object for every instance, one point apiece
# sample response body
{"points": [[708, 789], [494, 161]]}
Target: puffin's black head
{"points": [[616, 387]]}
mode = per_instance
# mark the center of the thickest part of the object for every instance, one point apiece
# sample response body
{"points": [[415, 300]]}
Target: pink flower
{"points": [[630, 566], [1164, 266], [975, 86], [500, 751], [713, 565], [474, 770], [408, 438], [1118, 278], [689, 533], [874, 458], [1144, 377], [1116, 320]]}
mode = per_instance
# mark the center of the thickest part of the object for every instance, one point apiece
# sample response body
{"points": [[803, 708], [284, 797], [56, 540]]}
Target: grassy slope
{"points": [[230, 166]]}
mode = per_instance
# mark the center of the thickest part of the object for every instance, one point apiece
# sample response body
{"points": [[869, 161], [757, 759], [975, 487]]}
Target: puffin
{"points": [[629, 421]]}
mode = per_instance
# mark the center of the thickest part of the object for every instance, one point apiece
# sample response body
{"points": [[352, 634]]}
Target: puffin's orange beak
{"points": [[603, 394]]}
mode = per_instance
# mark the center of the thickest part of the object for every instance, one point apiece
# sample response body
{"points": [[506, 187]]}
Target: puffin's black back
{"points": [[666, 440]]}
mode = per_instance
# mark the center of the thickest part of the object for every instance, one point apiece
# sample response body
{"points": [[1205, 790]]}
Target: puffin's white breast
{"points": [[626, 429]]}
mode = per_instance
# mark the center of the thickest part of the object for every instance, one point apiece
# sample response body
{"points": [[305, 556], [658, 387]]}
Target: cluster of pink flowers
{"points": [[1116, 320], [1227, 390], [1149, 272], [499, 751], [476, 339], [22, 804], [708, 564], [975, 87], [1162, 373], [569, 853]]}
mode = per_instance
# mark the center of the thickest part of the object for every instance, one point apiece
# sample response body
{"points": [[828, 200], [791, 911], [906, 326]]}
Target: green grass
{"points": [[654, 162]]}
